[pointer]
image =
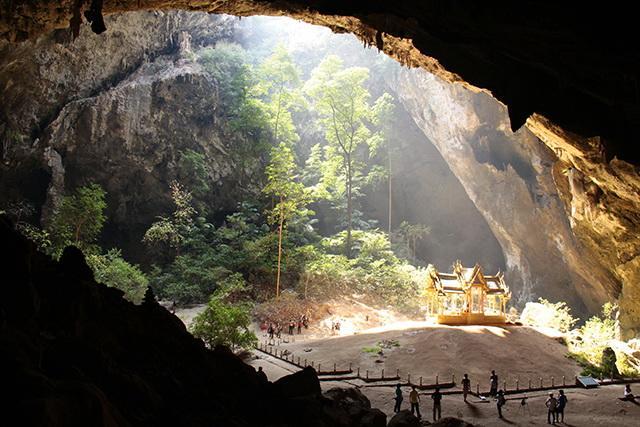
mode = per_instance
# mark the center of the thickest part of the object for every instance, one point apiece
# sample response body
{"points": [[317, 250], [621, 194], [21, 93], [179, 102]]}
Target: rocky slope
{"points": [[567, 221], [74, 352]]}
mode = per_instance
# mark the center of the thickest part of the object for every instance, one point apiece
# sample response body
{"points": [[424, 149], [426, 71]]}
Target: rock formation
{"points": [[121, 118], [108, 108], [576, 65], [551, 220], [74, 352]]}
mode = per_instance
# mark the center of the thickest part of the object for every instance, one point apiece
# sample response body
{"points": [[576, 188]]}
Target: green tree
{"points": [[225, 321], [383, 110], [291, 195], [342, 102], [172, 231], [112, 270], [79, 219], [278, 88]]}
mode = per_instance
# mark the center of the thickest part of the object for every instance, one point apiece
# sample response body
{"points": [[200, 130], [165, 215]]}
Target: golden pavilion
{"points": [[466, 296]]}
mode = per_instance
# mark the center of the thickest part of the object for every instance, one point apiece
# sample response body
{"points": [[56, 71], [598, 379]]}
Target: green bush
{"points": [[112, 270], [224, 321]]}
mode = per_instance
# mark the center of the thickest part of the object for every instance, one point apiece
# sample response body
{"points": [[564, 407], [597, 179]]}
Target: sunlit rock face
{"points": [[567, 221], [576, 65], [602, 203]]}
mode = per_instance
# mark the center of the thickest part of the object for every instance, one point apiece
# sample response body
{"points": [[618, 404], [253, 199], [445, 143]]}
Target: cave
{"points": [[521, 111]]}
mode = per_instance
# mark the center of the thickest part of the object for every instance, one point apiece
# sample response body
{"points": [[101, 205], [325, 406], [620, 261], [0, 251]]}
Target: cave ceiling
{"points": [[575, 65]]}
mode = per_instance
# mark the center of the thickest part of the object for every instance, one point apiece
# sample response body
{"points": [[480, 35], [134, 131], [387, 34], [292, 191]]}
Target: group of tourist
{"points": [[274, 329], [554, 405]]}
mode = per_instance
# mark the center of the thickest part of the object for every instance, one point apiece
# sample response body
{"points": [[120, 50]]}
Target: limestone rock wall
{"points": [[118, 109], [565, 218]]}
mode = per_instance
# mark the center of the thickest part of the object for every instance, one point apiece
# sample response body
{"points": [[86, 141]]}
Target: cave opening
{"points": [[205, 149]]}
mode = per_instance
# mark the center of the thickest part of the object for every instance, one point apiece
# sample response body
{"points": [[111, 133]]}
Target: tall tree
{"points": [[382, 111], [291, 195], [343, 104], [278, 88]]}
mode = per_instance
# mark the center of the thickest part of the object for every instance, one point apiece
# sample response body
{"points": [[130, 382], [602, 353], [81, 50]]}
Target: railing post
{"points": [[420, 381], [334, 368], [382, 374], [478, 389], [453, 378], [350, 370], [367, 374], [529, 383], [305, 363], [358, 375], [563, 380], [298, 360], [436, 379], [504, 385], [540, 382], [517, 384], [408, 378], [319, 367], [553, 382]]}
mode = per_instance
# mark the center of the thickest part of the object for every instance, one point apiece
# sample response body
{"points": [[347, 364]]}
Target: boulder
{"points": [[404, 419]]}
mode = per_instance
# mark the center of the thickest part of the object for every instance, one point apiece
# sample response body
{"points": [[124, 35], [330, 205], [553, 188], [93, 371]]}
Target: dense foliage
{"points": [[225, 321]]}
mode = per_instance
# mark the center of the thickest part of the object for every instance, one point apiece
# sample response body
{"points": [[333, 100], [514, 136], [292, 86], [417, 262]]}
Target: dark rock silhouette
{"points": [[404, 419], [74, 352]]}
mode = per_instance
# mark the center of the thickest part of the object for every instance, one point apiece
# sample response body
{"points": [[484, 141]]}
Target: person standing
{"points": [[494, 384], [414, 398], [552, 406], [262, 375], [562, 403], [437, 408], [466, 386], [398, 399], [500, 402]]}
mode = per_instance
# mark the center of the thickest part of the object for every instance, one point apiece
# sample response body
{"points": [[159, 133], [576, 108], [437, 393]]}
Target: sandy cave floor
{"points": [[595, 407], [425, 350]]}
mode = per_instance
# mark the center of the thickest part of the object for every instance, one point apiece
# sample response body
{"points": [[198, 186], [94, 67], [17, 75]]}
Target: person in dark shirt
{"points": [[262, 375], [562, 403], [466, 386], [398, 399], [500, 402], [494, 384], [437, 408]]}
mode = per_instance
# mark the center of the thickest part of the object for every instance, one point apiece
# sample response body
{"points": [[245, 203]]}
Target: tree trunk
{"points": [[280, 228], [349, 209], [390, 191]]}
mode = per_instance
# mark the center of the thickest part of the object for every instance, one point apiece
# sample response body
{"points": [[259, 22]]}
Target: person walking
{"points": [[414, 398], [466, 386], [437, 408], [552, 406], [562, 403], [398, 398], [494, 384], [500, 402]]}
